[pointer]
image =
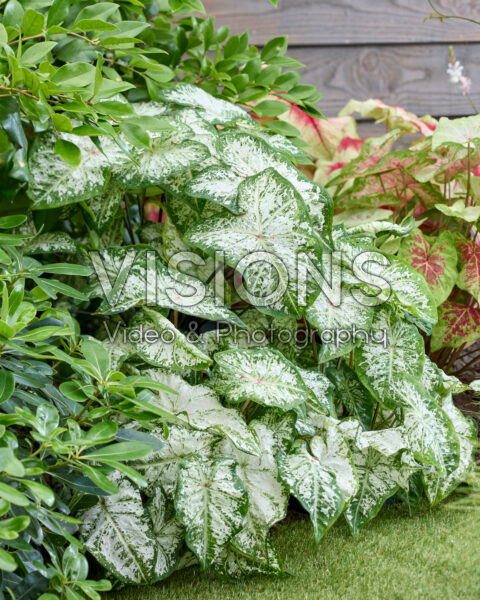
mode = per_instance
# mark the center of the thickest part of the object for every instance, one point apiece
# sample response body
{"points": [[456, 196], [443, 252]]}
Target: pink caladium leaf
{"points": [[393, 117], [392, 180], [457, 324], [371, 152], [323, 136], [469, 276], [435, 259]]}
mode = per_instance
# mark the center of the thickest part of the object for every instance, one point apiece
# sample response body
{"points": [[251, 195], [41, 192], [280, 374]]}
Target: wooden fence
{"points": [[369, 48]]}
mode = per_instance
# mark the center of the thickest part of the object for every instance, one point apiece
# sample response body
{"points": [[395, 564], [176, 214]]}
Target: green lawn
{"points": [[432, 556]]}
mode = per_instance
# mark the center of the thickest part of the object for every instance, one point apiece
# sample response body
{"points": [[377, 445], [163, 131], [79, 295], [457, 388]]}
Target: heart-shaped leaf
{"points": [[435, 259], [313, 486], [118, 533], [395, 348], [211, 502], [267, 241], [264, 376]]}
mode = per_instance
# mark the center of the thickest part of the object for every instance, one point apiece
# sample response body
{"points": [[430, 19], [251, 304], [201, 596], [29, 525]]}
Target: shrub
{"points": [[167, 407]]}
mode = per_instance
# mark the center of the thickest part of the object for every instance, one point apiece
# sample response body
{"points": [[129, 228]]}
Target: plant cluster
{"points": [[420, 203], [158, 409]]}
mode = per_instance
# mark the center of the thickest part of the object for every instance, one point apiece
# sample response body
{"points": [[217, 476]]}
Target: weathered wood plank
{"points": [[347, 22], [412, 76]]}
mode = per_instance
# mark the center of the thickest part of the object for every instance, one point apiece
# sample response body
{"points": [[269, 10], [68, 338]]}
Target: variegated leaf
{"points": [[274, 231], [53, 241], [169, 535], [277, 142], [469, 276], [352, 394], [438, 487], [102, 209], [380, 475], [235, 565], [267, 497], [118, 532], [264, 376], [54, 183], [320, 400], [337, 324], [161, 344], [129, 276], [435, 259], [211, 503], [395, 348], [334, 454], [462, 131], [214, 110], [160, 467], [164, 159], [246, 156], [218, 184], [410, 290], [199, 407], [185, 211], [313, 486], [376, 227], [457, 324], [430, 433]]}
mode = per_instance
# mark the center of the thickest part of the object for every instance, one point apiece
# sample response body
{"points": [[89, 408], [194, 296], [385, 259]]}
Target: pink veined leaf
{"points": [[393, 117], [323, 136], [348, 149], [457, 324], [448, 162], [371, 152], [469, 276], [435, 259]]}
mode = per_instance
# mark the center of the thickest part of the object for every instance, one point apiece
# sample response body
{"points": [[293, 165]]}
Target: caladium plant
{"points": [[233, 345], [432, 186], [268, 404]]}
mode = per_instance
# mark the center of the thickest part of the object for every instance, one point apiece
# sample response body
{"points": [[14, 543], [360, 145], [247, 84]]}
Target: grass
{"points": [[432, 556]]}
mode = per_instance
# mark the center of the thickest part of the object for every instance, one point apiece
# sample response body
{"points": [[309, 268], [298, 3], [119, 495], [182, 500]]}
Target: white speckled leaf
{"points": [[54, 183], [437, 487], [235, 565], [277, 142], [321, 397], [200, 408], [379, 367], [247, 156], [118, 532], [164, 159], [169, 535], [376, 227], [211, 503], [429, 431], [264, 376], [53, 241], [129, 276], [104, 208], [274, 223], [352, 394], [218, 184], [325, 316], [410, 290], [267, 497], [160, 467], [161, 344], [214, 110], [379, 477], [313, 486], [335, 456]]}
